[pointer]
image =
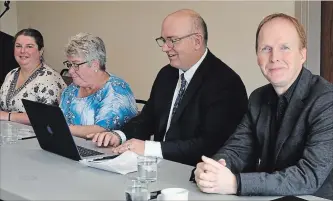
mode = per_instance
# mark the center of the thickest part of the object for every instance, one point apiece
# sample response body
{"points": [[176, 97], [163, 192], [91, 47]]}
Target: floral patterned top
{"points": [[110, 107], [44, 85]]}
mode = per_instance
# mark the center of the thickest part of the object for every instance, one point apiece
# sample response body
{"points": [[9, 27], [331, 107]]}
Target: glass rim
{"points": [[137, 182], [147, 158]]}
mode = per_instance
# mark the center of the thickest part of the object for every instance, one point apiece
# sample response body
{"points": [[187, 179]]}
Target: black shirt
{"points": [[278, 107]]}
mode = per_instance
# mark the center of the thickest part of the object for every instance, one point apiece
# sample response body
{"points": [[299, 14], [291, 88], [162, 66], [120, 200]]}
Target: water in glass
{"points": [[8, 134], [137, 191], [147, 168]]}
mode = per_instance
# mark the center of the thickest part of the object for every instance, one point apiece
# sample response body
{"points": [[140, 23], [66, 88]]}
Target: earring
{"points": [[96, 71]]}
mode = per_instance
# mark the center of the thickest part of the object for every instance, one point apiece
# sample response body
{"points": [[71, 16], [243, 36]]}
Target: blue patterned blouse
{"points": [[110, 107]]}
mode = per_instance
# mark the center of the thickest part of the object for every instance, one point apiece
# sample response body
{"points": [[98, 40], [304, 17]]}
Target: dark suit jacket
{"points": [[303, 159], [213, 105], [7, 59]]}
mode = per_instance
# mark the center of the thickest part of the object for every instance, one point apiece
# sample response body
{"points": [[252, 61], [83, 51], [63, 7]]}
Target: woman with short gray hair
{"points": [[96, 101]]}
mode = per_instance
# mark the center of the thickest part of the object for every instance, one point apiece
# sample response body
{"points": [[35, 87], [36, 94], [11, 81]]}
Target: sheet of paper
{"points": [[23, 131], [123, 164]]}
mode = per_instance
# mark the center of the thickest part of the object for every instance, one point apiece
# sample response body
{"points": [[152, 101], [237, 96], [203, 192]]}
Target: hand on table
{"points": [[214, 177], [104, 139], [135, 145]]}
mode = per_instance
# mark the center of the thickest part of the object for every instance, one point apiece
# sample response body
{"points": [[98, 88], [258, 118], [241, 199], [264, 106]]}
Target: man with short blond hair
{"points": [[284, 144]]}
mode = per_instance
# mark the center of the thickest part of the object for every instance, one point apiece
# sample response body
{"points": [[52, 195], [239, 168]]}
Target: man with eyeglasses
{"points": [[195, 103]]}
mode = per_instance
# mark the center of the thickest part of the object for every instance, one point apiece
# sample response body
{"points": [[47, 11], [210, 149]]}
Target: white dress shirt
{"points": [[153, 148]]}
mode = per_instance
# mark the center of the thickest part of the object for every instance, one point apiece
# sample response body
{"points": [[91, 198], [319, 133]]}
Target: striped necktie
{"points": [[180, 94]]}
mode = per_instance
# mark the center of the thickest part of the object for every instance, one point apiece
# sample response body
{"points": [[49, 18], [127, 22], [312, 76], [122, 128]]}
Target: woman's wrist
{"points": [[9, 115]]}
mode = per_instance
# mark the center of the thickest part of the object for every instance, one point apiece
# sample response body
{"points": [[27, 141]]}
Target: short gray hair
{"points": [[88, 46], [200, 26]]}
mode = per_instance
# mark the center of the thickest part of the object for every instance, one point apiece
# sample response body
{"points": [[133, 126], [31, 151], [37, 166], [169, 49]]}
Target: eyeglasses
{"points": [[69, 65], [171, 42]]}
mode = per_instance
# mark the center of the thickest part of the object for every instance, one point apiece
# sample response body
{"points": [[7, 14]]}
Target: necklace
{"points": [[27, 77]]}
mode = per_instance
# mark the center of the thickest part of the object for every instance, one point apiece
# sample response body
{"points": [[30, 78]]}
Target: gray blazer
{"points": [[303, 158]]}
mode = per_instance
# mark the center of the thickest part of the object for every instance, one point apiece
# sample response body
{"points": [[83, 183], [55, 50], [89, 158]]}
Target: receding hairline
{"points": [[184, 12], [194, 18]]}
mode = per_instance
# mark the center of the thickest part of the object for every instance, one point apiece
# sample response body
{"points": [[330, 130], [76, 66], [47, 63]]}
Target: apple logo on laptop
{"points": [[49, 129]]}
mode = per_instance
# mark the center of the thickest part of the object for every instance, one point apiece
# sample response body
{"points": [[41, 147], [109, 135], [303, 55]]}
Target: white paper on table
{"points": [[25, 132], [123, 164], [9, 127]]}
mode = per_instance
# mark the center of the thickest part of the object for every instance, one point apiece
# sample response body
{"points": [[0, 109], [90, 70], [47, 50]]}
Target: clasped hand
{"points": [[214, 177]]}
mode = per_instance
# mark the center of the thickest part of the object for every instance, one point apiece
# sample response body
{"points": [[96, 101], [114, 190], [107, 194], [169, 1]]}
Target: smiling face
{"points": [[279, 53], [26, 51], [186, 51]]}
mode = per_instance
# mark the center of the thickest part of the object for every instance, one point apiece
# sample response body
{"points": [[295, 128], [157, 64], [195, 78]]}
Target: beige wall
{"points": [[129, 30], [309, 14]]}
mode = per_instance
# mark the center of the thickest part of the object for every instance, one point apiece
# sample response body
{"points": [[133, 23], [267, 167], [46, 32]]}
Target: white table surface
{"points": [[29, 173]]}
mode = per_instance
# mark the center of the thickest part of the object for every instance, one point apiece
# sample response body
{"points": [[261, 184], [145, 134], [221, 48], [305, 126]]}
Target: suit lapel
{"points": [[192, 87], [166, 103], [263, 126], [287, 125], [190, 91], [293, 111]]}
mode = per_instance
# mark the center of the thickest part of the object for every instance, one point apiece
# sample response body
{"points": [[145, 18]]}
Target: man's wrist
{"points": [[238, 184], [119, 138]]}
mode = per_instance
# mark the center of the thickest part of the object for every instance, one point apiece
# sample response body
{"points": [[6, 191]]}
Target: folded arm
{"points": [[83, 131], [239, 152], [222, 111], [142, 126], [311, 170], [15, 117]]}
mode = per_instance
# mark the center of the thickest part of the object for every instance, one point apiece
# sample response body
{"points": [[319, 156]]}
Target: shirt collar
{"points": [[190, 72]]}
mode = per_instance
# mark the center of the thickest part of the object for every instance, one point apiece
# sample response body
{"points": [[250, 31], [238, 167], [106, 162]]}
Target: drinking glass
{"points": [[8, 135], [147, 168], [137, 190]]}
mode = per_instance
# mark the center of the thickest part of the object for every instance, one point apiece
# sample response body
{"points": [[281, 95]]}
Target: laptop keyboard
{"points": [[84, 152]]}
